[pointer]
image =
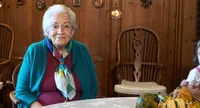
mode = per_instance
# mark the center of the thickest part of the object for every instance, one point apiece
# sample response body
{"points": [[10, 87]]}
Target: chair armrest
{"points": [[13, 98], [4, 61], [118, 64], [152, 64]]}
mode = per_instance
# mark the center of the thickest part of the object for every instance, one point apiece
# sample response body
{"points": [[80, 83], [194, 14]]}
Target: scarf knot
{"points": [[62, 61], [62, 76]]}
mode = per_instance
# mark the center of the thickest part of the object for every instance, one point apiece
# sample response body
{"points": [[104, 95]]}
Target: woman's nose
{"points": [[60, 29]]}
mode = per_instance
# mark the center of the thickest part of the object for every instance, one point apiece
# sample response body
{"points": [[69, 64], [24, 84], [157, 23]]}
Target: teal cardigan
{"points": [[34, 66]]}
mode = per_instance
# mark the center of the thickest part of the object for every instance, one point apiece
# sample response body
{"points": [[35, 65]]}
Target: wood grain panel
{"points": [[189, 37], [168, 43]]}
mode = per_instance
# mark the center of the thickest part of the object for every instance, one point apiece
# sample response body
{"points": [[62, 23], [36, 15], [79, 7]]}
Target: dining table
{"points": [[108, 102]]}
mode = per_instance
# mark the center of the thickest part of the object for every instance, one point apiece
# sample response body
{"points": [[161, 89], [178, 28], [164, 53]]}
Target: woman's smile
{"points": [[60, 37]]}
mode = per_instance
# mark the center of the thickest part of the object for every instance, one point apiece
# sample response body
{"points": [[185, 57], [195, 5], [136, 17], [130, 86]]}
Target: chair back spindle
{"points": [[138, 44], [6, 41]]}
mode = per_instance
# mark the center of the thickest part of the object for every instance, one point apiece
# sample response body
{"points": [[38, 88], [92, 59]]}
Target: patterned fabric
{"points": [[63, 77]]}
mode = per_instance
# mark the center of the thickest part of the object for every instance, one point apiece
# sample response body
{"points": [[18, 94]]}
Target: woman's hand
{"points": [[35, 104]]}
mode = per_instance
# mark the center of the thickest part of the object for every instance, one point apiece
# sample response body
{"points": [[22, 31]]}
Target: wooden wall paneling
{"points": [[168, 43], [178, 39], [173, 45], [135, 15], [114, 31], [130, 10], [68, 3], [101, 39], [94, 39], [36, 21], [22, 21], [107, 76], [59, 1], [189, 38], [2, 13], [179, 33], [184, 45], [198, 19]]}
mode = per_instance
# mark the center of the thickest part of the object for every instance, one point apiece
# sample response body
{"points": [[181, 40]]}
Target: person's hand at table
{"points": [[184, 83]]}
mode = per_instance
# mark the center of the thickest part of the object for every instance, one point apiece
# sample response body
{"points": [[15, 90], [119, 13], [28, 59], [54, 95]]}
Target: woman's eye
{"points": [[67, 26], [55, 26]]}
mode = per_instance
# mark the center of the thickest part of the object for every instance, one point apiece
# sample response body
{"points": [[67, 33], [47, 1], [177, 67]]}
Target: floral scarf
{"points": [[63, 77]]}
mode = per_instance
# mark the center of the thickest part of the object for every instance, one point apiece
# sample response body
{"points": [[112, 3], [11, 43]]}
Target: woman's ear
{"points": [[72, 33], [47, 31]]}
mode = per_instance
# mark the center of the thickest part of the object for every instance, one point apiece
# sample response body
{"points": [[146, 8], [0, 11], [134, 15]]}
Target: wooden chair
{"points": [[6, 43], [6, 66], [6, 46], [138, 64], [14, 100]]}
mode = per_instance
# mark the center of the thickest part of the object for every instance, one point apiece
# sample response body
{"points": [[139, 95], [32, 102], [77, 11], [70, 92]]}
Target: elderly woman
{"points": [[58, 68]]}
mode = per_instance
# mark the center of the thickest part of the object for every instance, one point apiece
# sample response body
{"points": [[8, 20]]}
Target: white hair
{"points": [[57, 8]]}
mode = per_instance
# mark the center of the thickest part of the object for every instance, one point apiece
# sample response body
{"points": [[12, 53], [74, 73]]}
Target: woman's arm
{"points": [[93, 76], [23, 92]]}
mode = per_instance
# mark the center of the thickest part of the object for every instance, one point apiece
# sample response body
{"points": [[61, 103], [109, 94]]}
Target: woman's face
{"points": [[60, 30]]}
